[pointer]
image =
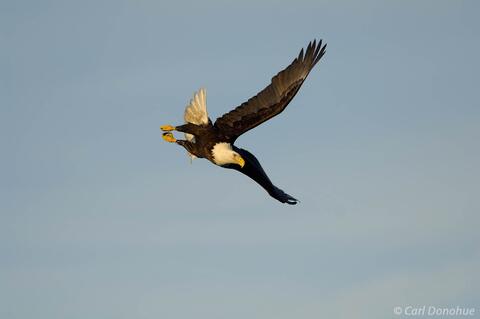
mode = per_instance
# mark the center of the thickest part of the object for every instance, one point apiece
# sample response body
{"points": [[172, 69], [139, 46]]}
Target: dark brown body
{"points": [[206, 136]]}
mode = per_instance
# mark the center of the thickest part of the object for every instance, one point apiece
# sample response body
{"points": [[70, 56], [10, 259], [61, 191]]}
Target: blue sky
{"points": [[102, 219]]}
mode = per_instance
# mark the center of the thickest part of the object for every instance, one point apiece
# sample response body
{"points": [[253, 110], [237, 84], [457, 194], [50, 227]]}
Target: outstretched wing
{"points": [[274, 98]]}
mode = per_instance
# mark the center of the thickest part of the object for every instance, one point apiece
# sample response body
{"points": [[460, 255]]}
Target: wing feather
{"points": [[196, 113], [196, 110], [274, 98]]}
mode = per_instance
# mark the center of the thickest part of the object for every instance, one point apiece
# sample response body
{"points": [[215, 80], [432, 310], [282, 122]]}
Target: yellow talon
{"points": [[168, 137], [167, 128]]}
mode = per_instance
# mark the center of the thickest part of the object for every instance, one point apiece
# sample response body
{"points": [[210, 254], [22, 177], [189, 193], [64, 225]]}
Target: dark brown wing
{"points": [[274, 98]]}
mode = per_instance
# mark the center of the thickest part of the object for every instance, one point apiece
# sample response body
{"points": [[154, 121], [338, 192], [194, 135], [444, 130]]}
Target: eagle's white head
{"points": [[224, 154]]}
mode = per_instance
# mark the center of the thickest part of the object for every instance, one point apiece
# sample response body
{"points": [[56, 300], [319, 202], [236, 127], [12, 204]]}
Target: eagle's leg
{"points": [[168, 137], [185, 128], [189, 128], [189, 146]]}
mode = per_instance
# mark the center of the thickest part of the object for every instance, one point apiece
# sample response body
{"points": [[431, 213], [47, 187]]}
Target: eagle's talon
{"points": [[168, 137], [167, 128]]}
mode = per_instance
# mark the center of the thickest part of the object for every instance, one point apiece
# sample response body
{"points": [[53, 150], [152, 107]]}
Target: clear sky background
{"points": [[102, 219]]}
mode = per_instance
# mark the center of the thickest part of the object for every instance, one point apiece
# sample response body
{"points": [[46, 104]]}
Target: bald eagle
{"points": [[215, 141]]}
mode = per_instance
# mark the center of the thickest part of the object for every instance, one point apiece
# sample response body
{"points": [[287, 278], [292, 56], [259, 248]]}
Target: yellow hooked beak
{"points": [[240, 160]]}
